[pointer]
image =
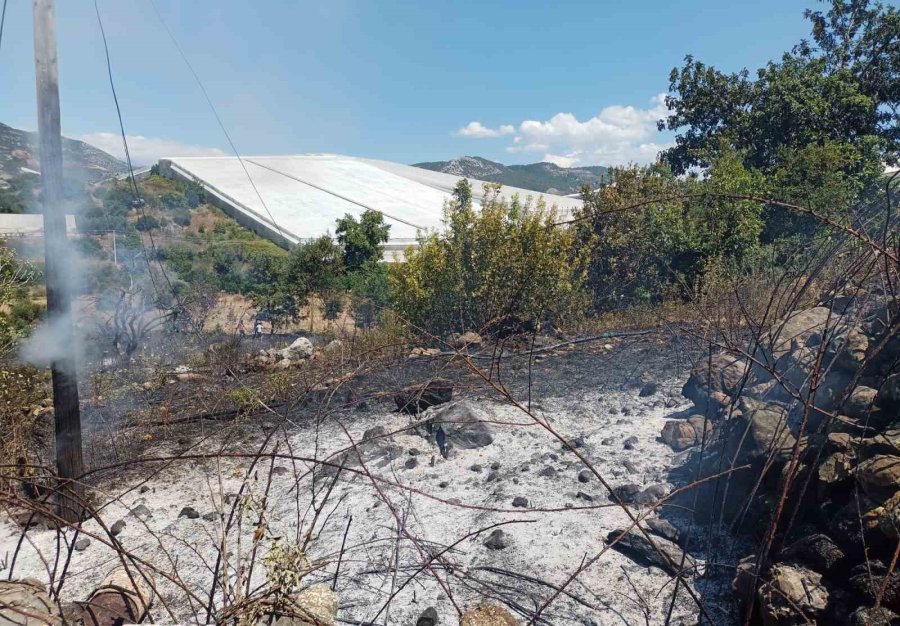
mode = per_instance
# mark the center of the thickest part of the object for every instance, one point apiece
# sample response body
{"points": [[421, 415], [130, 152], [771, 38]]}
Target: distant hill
{"points": [[20, 168], [545, 177]]}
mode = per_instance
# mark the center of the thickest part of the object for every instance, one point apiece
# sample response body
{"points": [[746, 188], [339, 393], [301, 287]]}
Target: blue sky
{"points": [[514, 81]]}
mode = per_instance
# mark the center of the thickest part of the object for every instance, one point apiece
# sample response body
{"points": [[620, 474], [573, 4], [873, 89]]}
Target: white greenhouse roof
{"points": [[305, 194], [28, 224]]}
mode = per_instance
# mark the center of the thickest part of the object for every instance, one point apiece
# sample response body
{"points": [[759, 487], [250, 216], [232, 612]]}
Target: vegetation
{"points": [[17, 309], [506, 259]]}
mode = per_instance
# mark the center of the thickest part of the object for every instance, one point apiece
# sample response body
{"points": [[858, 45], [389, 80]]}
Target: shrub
{"points": [[146, 222], [507, 259]]}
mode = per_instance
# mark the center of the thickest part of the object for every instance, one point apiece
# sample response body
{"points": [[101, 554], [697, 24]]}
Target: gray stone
{"points": [[648, 390], [189, 512], [117, 527], [630, 443], [663, 528], [584, 476], [626, 493], [652, 494], [497, 540], [429, 617], [211, 516], [411, 463], [792, 595], [520, 502], [81, 544], [665, 554], [547, 472], [141, 512], [722, 376], [493, 475], [475, 468]]}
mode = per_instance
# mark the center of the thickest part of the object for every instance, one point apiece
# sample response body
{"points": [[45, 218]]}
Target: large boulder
{"points": [[757, 430], [419, 397], [300, 349], [879, 476], [888, 396], [860, 402], [721, 376], [662, 552], [819, 552], [679, 435], [866, 579], [792, 595], [798, 328], [120, 599]]}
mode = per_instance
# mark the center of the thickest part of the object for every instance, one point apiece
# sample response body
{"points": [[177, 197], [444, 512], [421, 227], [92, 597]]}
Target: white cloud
{"points": [[145, 150], [617, 135], [480, 131]]}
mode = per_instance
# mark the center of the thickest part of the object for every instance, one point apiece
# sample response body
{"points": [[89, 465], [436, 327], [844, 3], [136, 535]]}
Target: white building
{"points": [[294, 198]]}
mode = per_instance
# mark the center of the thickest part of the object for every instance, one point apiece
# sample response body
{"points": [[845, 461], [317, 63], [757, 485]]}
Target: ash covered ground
{"points": [[416, 511]]}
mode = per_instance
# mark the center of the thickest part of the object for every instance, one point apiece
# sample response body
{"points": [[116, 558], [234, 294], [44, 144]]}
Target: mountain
{"points": [[20, 168], [545, 177]]}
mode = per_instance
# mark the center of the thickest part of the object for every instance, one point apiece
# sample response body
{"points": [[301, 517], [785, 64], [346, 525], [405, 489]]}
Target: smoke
{"points": [[53, 340]]}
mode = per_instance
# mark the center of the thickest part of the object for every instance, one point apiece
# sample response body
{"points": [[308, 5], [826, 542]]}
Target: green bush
{"points": [[146, 222], [506, 259]]}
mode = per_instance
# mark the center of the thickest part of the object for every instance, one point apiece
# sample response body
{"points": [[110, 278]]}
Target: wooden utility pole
{"points": [[69, 462]]}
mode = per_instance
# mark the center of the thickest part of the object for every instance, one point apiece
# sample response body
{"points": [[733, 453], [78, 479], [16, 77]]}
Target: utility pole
{"points": [[69, 462]]}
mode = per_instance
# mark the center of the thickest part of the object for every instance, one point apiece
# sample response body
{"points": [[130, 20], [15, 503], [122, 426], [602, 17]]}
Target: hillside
{"points": [[19, 167], [546, 177]]}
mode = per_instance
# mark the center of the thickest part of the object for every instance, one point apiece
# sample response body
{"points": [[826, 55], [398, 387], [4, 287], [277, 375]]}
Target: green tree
{"points": [[361, 239], [313, 267], [506, 259], [841, 88]]}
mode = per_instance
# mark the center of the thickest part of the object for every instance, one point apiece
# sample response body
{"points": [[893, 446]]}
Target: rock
{"points": [[584, 496], [888, 396], [117, 528], [26, 603], [497, 540], [868, 586], [818, 552], [189, 512], [630, 443], [792, 595], [488, 615], [652, 494], [860, 402], [520, 502], [851, 349], [333, 347], [679, 435], [496, 465], [834, 471], [700, 424], [429, 617], [626, 493], [648, 390], [463, 425], [723, 377], [467, 339], [766, 428], [868, 616], [81, 544], [280, 470], [211, 516], [630, 467], [584, 476], [663, 528], [141, 512], [879, 476], [666, 554], [416, 398], [547, 472], [493, 475], [411, 463], [376, 432], [796, 329], [300, 349], [744, 583]]}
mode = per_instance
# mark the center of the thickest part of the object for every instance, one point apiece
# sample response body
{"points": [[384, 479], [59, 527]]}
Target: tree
{"points": [[840, 89], [146, 223], [505, 260], [313, 267], [361, 239]]}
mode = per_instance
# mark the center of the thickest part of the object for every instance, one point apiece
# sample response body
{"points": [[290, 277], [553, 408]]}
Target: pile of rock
{"points": [[280, 359], [817, 408]]}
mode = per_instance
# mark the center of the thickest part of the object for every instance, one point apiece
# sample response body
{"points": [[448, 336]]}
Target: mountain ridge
{"points": [[544, 177]]}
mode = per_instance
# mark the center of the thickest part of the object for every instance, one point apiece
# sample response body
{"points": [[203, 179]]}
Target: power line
{"points": [[216, 114], [138, 200]]}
